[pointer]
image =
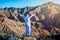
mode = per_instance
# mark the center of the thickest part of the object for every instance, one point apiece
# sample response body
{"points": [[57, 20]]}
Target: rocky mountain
{"points": [[45, 22]]}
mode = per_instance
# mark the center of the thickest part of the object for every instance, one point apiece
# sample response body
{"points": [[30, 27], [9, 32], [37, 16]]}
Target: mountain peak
{"points": [[50, 2]]}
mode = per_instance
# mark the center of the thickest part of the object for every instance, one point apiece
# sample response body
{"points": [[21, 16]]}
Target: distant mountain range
{"points": [[46, 20]]}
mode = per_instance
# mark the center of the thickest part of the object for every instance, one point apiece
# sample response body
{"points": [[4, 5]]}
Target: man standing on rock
{"points": [[27, 25]]}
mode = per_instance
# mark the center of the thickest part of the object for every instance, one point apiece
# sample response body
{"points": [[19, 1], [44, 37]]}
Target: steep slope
{"points": [[11, 27]]}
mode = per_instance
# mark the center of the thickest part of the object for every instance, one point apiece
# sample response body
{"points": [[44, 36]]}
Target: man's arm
{"points": [[23, 17], [31, 16]]}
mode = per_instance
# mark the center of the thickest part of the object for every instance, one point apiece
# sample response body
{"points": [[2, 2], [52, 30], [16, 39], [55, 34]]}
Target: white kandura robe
{"points": [[27, 25]]}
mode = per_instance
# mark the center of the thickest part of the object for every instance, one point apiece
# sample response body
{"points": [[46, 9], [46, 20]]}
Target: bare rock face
{"points": [[12, 27], [29, 38], [34, 32]]}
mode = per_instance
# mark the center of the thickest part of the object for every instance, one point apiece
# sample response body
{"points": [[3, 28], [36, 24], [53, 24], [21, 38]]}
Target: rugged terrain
{"points": [[45, 22]]}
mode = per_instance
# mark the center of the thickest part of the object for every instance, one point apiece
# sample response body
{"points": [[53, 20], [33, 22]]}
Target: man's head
{"points": [[27, 15]]}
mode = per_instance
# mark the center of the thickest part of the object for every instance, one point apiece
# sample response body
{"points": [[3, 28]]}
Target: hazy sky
{"points": [[24, 3]]}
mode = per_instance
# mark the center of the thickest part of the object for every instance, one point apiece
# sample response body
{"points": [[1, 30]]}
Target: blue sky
{"points": [[24, 3]]}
